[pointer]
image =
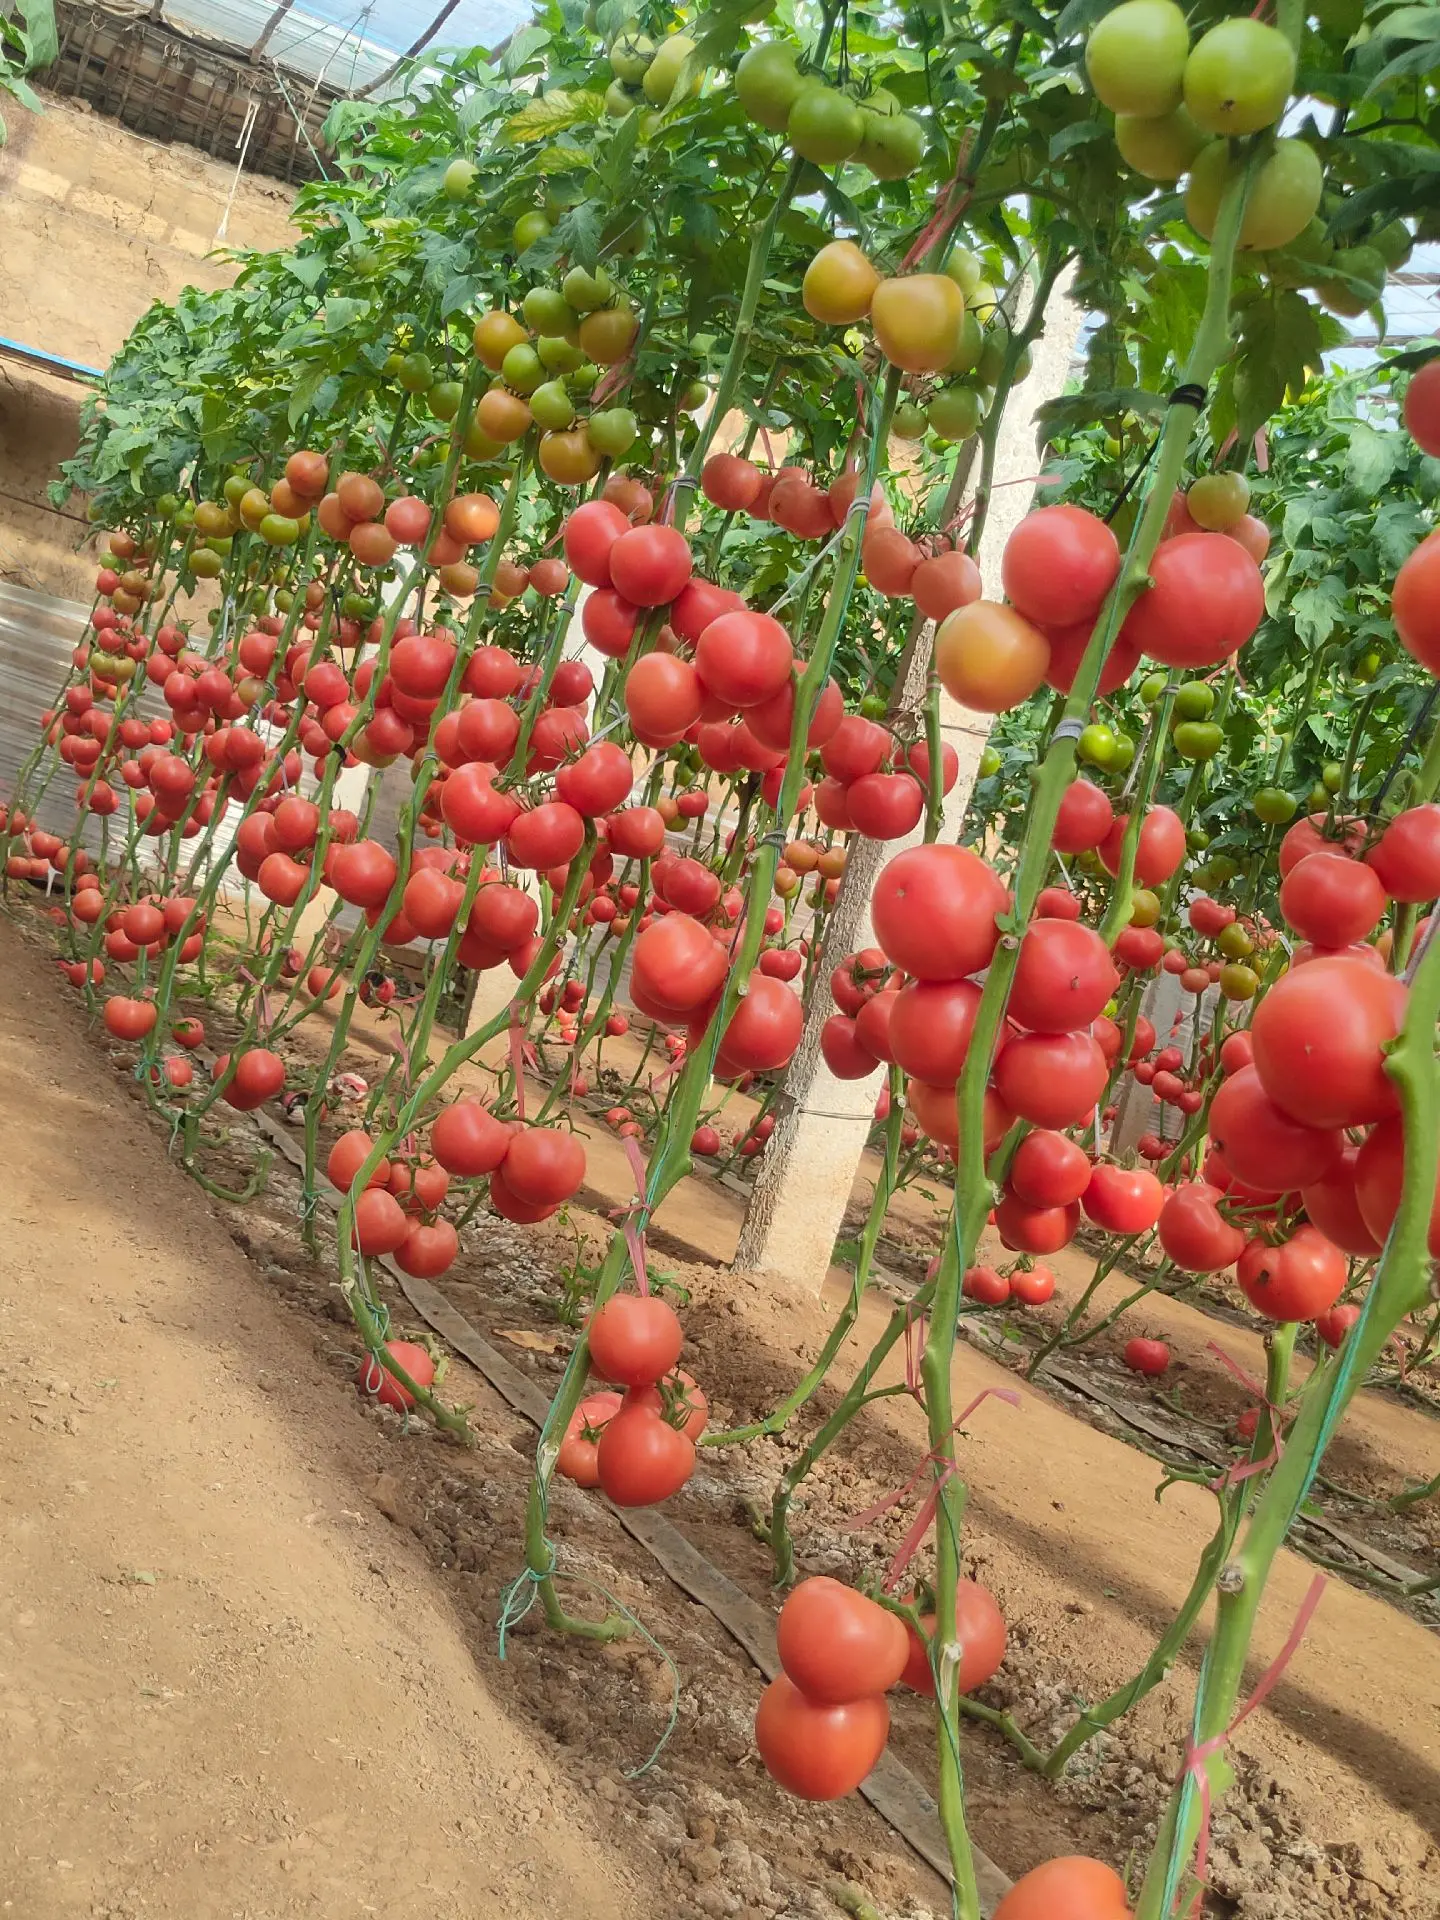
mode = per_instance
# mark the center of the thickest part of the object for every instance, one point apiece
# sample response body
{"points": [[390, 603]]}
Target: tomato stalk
{"points": [[1117, 914]]}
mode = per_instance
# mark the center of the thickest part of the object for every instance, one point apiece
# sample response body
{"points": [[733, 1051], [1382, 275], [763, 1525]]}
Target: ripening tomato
{"points": [[1123, 1199], [1320, 1037], [1063, 977], [1207, 599], [819, 1752], [990, 657], [1073, 1887], [916, 319], [1049, 1169], [979, 1634], [934, 910], [837, 1644], [641, 1459], [1059, 564], [1295, 1280]]}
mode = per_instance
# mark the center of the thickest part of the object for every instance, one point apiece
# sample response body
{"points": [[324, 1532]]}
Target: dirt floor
{"points": [[253, 1522]]}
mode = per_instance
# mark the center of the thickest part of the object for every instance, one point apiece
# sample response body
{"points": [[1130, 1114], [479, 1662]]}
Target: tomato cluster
{"points": [[637, 1447]]}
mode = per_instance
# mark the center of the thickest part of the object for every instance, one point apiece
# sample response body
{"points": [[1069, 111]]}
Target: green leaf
{"points": [[1371, 458], [1316, 609], [307, 268], [23, 92], [550, 114], [340, 311], [525, 43]]}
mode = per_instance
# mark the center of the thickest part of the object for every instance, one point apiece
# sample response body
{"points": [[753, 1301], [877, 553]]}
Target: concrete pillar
{"points": [[809, 1167]]}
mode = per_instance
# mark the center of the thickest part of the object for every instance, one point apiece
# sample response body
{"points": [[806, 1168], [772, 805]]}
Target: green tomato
{"points": [[874, 706], [551, 405], [584, 292], [547, 311], [1198, 739], [767, 84], [1332, 776], [444, 399], [522, 369], [477, 443], [459, 178], [1152, 686], [989, 763], [1365, 266], [1394, 242], [581, 379], [964, 269], [1196, 839], [1195, 700], [1136, 57], [824, 127], [1284, 194], [529, 228], [630, 55], [279, 530], [1097, 745], [628, 234], [692, 396], [663, 72], [1273, 806], [558, 355], [416, 374], [991, 363], [1239, 76], [1144, 907], [1366, 667], [983, 301], [1234, 942], [907, 422], [1216, 501], [892, 145], [1317, 800], [236, 486], [284, 600], [612, 431], [969, 345], [168, 505], [1160, 148], [954, 412], [619, 103]]}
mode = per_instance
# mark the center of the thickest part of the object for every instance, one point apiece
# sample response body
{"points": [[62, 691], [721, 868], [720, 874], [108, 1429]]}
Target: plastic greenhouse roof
{"points": [[347, 43]]}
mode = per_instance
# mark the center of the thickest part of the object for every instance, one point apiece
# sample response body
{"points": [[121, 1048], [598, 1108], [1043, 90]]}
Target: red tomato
{"points": [[677, 1399], [428, 1250], [1194, 1233], [764, 1030], [1071, 1888], [348, 1155], [377, 1384], [819, 1752], [635, 1339], [664, 697], [1063, 977], [1296, 1280], [129, 1019], [845, 1054], [979, 1633], [641, 1459], [1123, 1199], [1262, 1145], [837, 1645], [577, 1458], [1206, 599], [1051, 1079], [675, 967], [1305, 838], [1149, 1357], [1332, 900], [1333, 1205], [986, 1286], [1333, 1325], [1056, 903], [591, 533], [1059, 564], [1049, 1170], [259, 1075], [1415, 603], [648, 565], [599, 781], [930, 1025], [1035, 1229], [1406, 857], [1160, 849], [1379, 1170], [934, 909], [1032, 1286], [381, 1223], [885, 806], [744, 658], [1319, 1039]]}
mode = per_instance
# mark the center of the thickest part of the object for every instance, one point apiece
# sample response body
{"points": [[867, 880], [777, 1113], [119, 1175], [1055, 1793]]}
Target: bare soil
{"points": [[1338, 1776]]}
